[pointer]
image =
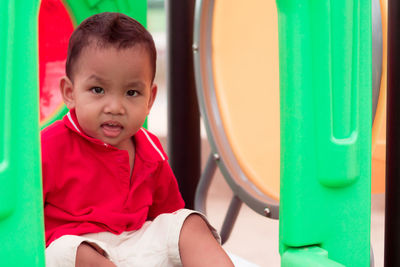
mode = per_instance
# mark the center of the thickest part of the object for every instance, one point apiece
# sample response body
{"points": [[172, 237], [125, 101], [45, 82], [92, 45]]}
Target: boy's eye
{"points": [[132, 93], [97, 90]]}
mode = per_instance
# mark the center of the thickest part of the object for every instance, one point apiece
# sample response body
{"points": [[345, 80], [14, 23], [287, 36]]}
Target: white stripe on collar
{"points": [[72, 122], [152, 143]]}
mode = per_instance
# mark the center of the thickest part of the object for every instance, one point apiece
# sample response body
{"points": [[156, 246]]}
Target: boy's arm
{"points": [[166, 197]]}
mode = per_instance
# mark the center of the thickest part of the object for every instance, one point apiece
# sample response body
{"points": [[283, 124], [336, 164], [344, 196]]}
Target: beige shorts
{"points": [[155, 244]]}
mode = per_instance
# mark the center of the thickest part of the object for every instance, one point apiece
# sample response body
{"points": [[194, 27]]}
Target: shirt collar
{"points": [[71, 122], [147, 146]]}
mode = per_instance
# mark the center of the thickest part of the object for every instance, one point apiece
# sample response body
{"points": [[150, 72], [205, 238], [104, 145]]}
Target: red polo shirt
{"points": [[87, 186]]}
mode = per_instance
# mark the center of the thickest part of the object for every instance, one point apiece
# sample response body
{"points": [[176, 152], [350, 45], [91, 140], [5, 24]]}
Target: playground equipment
{"points": [[325, 119], [55, 27], [25, 213], [232, 102], [392, 207], [184, 147], [379, 79], [21, 212], [326, 81]]}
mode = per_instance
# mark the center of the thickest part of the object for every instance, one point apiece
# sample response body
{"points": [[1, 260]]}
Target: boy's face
{"points": [[112, 92]]}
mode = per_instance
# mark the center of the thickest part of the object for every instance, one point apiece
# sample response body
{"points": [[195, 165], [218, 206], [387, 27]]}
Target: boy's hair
{"points": [[105, 29]]}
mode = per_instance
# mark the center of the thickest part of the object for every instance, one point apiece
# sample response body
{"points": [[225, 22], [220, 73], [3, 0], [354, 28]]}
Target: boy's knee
{"points": [[195, 221], [195, 228], [198, 244]]}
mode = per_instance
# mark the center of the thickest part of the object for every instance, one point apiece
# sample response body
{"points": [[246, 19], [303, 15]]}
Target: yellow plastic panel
{"points": [[379, 126], [246, 72]]}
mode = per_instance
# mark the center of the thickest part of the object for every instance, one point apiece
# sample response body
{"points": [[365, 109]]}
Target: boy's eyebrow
{"points": [[139, 84], [136, 84], [96, 78]]}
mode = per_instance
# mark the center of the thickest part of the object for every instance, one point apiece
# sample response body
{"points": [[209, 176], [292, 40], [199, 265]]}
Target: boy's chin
{"points": [[108, 142], [114, 143]]}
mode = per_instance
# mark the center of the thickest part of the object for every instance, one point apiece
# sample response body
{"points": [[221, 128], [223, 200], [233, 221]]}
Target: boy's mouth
{"points": [[111, 128]]}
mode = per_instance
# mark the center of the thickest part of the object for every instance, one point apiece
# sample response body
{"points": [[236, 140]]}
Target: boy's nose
{"points": [[114, 106]]}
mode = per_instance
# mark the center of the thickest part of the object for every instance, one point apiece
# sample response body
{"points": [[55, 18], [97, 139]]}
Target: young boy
{"points": [[110, 197]]}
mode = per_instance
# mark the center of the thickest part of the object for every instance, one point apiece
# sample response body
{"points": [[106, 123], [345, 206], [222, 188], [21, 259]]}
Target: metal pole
{"points": [[205, 182], [183, 111], [230, 218], [392, 206]]}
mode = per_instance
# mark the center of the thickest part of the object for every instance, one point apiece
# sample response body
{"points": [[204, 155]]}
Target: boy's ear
{"points": [[153, 94], [66, 88]]}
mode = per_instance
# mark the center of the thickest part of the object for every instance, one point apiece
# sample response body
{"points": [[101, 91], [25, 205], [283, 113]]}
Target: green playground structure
{"points": [[21, 214], [325, 118], [325, 86]]}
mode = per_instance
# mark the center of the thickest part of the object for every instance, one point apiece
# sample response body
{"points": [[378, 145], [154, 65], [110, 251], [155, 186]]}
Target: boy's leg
{"points": [[87, 256], [71, 251], [198, 246]]}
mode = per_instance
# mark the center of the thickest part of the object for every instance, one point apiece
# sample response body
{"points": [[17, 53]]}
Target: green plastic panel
{"points": [[325, 90], [21, 204], [82, 9], [308, 257]]}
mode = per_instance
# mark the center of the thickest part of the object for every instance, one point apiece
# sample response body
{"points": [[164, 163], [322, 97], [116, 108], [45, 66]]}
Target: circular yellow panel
{"points": [[246, 72]]}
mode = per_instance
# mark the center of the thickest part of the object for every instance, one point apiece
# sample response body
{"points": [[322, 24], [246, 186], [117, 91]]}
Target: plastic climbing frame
{"points": [[325, 90], [21, 215]]}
